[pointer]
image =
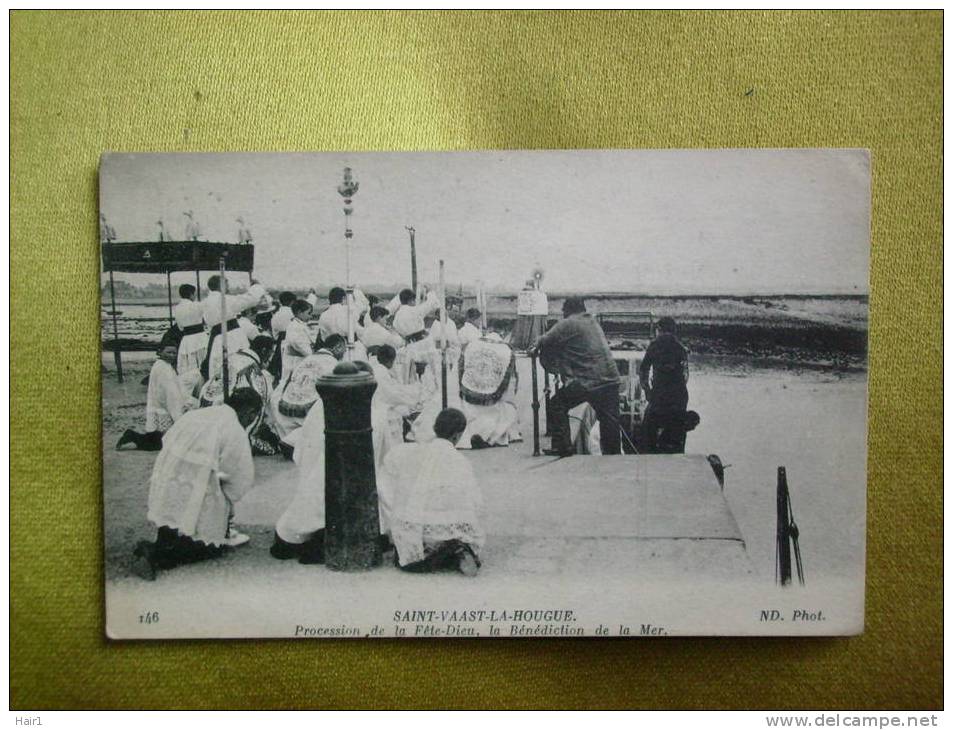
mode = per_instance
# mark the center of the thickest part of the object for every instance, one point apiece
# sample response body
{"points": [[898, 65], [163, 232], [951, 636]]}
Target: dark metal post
{"points": [[546, 395], [783, 557], [352, 525], [117, 350], [168, 279], [532, 363], [198, 286]]}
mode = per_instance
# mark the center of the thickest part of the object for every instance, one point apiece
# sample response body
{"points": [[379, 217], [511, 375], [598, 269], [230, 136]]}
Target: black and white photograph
{"points": [[514, 394]]}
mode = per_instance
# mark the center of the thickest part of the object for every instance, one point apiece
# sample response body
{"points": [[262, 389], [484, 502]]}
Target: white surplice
{"points": [[392, 400], [235, 304], [304, 516], [429, 494], [192, 347], [333, 320], [467, 334], [295, 347], [165, 398], [205, 466], [375, 335], [280, 320]]}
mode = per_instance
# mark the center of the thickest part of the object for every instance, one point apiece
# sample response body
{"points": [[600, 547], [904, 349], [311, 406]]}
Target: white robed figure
{"points": [[409, 324], [430, 501], [235, 304], [246, 369], [189, 319], [391, 402], [293, 400], [334, 319], [296, 344], [205, 466], [488, 386], [301, 524], [166, 398]]}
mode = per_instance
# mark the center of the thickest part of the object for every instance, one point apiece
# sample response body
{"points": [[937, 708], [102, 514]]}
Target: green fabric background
{"points": [[82, 83]]}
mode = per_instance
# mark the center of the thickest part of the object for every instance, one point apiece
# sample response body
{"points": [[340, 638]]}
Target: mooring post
{"points": [[532, 364], [783, 557], [351, 522]]}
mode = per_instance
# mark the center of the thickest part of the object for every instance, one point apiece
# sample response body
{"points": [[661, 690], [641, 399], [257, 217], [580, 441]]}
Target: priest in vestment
{"points": [[488, 386], [430, 502], [248, 369], [293, 400]]}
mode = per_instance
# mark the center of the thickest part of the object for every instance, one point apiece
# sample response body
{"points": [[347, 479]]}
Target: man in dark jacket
{"points": [[576, 348], [664, 378]]}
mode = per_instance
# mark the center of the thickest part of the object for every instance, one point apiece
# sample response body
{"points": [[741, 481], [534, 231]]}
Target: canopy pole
{"points": [[198, 286], [168, 278], [224, 335], [117, 350]]}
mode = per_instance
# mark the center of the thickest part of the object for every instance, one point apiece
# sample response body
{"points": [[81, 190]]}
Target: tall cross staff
{"points": [[346, 190], [223, 291], [443, 337]]}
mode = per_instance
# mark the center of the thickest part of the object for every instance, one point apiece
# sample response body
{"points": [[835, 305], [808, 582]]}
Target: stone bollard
{"points": [[352, 525]]}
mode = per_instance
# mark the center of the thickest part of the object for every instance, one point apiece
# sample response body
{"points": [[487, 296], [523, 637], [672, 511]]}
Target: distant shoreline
{"points": [[596, 296]]}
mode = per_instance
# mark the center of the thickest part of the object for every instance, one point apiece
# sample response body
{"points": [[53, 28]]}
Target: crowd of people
{"points": [[276, 351]]}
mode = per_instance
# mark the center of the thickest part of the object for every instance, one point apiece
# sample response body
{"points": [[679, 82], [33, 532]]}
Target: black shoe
{"points": [[467, 561], [144, 560], [557, 452], [126, 438], [282, 550], [478, 442]]}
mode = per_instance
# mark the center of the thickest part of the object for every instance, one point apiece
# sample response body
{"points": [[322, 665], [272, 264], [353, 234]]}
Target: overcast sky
{"points": [[657, 222]]}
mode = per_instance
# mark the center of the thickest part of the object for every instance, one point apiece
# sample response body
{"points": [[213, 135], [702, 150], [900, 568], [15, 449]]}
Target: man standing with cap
{"points": [[577, 349]]}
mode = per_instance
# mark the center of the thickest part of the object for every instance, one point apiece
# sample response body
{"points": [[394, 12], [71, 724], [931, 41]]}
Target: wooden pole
{"points": [[198, 286], [443, 338], [117, 349], [168, 280], [481, 303], [223, 291], [532, 364], [413, 258], [783, 557]]}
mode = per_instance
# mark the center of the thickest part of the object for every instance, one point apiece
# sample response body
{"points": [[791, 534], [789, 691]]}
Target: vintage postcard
{"points": [[485, 394]]}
